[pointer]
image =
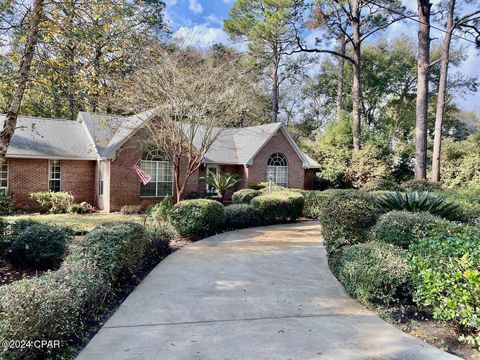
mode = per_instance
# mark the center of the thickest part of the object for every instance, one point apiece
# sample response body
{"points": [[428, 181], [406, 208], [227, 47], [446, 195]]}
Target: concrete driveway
{"points": [[262, 293]]}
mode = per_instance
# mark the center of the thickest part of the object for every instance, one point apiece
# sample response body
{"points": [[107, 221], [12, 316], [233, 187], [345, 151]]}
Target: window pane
{"points": [[148, 190], [165, 188], [54, 185]]}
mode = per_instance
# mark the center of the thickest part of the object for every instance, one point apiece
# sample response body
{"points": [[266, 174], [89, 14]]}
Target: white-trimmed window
{"points": [[54, 175], [4, 177], [161, 172], [101, 171], [277, 169]]}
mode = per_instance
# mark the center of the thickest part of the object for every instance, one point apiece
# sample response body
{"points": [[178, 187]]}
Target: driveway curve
{"points": [[260, 293]]}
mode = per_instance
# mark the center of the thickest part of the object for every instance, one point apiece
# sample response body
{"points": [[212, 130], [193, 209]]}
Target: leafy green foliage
{"points": [[196, 218], [244, 196], [420, 185], [38, 245], [4, 240], [82, 208], [402, 228], [313, 201], [63, 304], [260, 185], [53, 202], [221, 182], [446, 269], [6, 204], [420, 202], [346, 217], [380, 184], [469, 202], [240, 216], [131, 209], [375, 272], [117, 249], [279, 206], [159, 213]]}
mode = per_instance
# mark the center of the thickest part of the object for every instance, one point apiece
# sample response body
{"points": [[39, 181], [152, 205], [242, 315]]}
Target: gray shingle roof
{"points": [[50, 139], [102, 135]]}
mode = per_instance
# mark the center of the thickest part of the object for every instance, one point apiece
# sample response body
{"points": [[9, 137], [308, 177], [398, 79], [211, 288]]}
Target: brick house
{"points": [[93, 157]]}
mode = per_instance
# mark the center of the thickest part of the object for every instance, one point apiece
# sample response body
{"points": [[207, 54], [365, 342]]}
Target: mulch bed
{"points": [[420, 324], [10, 273]]}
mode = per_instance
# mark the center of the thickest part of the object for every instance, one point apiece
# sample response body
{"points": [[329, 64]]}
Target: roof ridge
{"points": [[41, 118]]}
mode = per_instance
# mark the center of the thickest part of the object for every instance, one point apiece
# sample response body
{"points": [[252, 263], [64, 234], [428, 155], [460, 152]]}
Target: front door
{"points": [[211, 169]]}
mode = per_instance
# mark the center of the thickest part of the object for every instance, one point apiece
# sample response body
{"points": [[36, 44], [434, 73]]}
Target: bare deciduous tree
{"points": [[10, 124], [191, 99]]}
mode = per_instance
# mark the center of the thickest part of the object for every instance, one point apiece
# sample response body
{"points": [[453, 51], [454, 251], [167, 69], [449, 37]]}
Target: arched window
{"points": [[161, 171], [277, 169]]}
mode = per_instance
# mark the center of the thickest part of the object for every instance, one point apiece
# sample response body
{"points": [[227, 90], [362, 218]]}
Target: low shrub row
{"points": [[52, 202], [63, 304], [201, 217], [405, 256], [32, 244]]}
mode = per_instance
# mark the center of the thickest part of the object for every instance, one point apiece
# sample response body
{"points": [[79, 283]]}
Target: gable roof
{"points": [[235, 146], [50, 139], [95, 136]]}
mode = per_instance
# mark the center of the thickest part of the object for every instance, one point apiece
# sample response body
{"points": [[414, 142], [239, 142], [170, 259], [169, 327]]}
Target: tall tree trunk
{"points": [[275, 87], [341, 74], [424, 7], [356, 88], [24, 73], [442, 92], [71, 62], [96, 79]]}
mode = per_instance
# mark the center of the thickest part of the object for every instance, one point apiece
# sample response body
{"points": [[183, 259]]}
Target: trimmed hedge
{"points": [[6, 204], [313, 201], [446, 269], [279, 206], [38, 246], [402, 228], [346, 217], [62, 304], [420, 185], [244, 196], [240, 216], [381, 184], [195, 218], [375, 272], [52, 202]]}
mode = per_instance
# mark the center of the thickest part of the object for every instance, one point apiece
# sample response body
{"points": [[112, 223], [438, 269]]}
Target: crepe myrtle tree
{"points": [[190, 99]]}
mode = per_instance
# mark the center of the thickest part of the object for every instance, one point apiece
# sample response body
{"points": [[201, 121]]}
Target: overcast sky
{"points": [[200, 22]]}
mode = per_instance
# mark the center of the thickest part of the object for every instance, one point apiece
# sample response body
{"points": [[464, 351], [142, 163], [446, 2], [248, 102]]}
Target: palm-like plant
{"points": [[419, 201], [221, 182]]}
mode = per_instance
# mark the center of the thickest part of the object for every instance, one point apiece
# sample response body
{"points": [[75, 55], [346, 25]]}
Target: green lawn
{"points": [[79, 223]]}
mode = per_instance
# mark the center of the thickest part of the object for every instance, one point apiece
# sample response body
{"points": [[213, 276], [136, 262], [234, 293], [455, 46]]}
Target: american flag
{"points": [[144, 176]]}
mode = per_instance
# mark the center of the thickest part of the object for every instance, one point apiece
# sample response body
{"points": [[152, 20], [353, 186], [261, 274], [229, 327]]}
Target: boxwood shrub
{"points": [[62, 304], [198, 217], [346, 217], [244, 196], [279, 206], [446, 273], [402, 228], [375, 272], [239, 216], [38, 246], [116, 248], [52, 202]]}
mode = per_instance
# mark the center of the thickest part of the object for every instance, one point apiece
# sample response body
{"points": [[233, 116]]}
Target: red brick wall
{"points": [[278, 143], [309, 179], [30, 175], [125, 184], [78, 178]]}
